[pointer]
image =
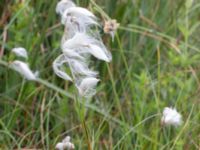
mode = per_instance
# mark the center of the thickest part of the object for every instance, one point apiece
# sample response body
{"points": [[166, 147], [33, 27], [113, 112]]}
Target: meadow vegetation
{"points": [[155, 64]]}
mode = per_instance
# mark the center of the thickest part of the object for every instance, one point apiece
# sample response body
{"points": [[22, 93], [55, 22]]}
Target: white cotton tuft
{"points": [[87, 86], [20, 51], [63, 5], [76, 11], [82, 43], [23, 69], [57, 67], [80, 68], [78, 19], [69, 145], [77, 40], [72, 54], [66, 139], [65, 144], [171, 117], [99, 53], [60, 146], [78, 43]]}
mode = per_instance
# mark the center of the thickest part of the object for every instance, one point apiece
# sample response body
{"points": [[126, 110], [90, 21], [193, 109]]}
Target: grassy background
{"points": [[156, 63]]}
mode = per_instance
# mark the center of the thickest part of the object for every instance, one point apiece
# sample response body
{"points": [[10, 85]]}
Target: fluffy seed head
{"points": [[171, 117], [65, 144], [66, 139], [87, 86], [77, 47], [63, 5], [23, 69], [60, 146], [57, 67], [20, 51], [80, 68], [77, 19], [82, 43]]}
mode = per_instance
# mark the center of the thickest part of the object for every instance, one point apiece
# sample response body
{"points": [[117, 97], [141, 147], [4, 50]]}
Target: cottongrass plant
{"points": [[20, 51], [171, 117], [80, 41], [65, 144], [23, 67], [78, 44]]}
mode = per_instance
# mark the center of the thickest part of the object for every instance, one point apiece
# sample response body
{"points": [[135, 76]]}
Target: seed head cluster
{"points": [[80, 41]]}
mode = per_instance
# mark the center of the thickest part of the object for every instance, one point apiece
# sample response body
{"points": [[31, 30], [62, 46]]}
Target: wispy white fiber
{"points": [[57, 67], [171, 117], [80, 68], [76, 11], [99, 52], [78, 19], [82, 43], [72, 54], [78, 45], [20, 51], [23, 69], [87, 86], [65, 144], [63, 5]]}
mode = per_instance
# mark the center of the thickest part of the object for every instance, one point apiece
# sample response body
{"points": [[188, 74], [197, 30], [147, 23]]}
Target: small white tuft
{"points": [[171, 117], [82, 43], [80, 68], [72, 54], [20, 51], [65, 144], [23, 69], [99, 52], [60, 146], [87, 86], [69, 145], [79, 11], [57, 67], [77, 19], [66, 139], [63, 5]]}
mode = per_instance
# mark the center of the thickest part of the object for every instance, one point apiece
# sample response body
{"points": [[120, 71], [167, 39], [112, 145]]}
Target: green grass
{"points": [[156, 59]]}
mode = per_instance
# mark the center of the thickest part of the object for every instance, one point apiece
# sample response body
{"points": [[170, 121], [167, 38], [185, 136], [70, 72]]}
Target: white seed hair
{"points": [[65, 144], [57, 67], [77, 46], [63, 5], [82, 43], [20, 51], [23, 69], [171, 117], [78, 19], [66, 139], [87, 86], [81, 68]]}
